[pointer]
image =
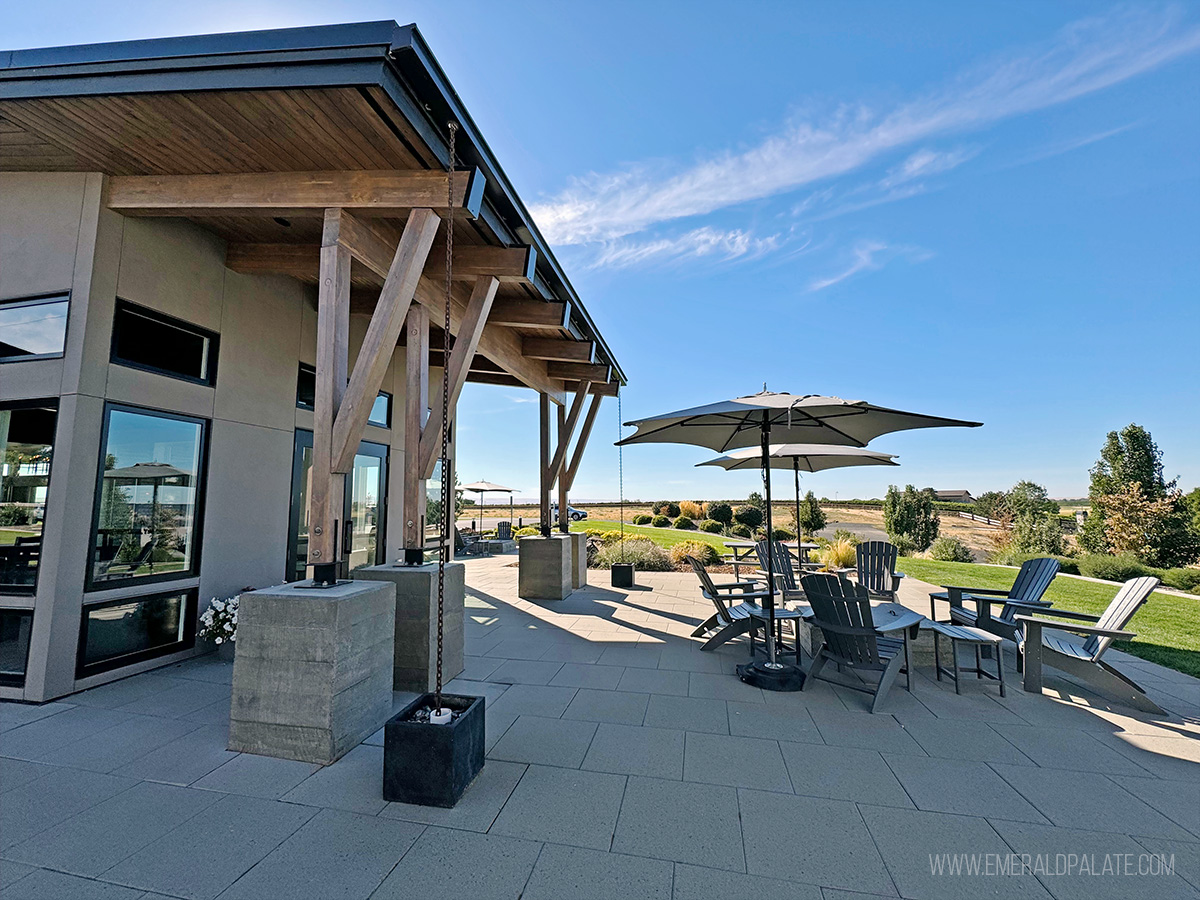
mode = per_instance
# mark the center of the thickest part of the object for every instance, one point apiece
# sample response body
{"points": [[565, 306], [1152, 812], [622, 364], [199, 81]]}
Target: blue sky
{"points": [[985, 210]]}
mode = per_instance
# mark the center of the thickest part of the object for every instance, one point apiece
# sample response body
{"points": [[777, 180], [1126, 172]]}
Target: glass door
{"points": [[362, 518]]}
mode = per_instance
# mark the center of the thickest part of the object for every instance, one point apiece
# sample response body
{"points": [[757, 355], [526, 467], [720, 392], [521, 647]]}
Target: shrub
{"points": [[721, 512], [756, 499], [691, 509], [706, 553], [750, 516], [667, 508], [683, 523], [910, 513], [950, 549], [843, 534], [712, 526], [811, 517], [1037, 532], [642, 520], [905, 546], [645, 555], [609, 536], [14, 515], [783, 534], [660, 522], [1008, 557], [1182, 579], [742, 531], [838, 554], [1120, 567], [527, 531]]}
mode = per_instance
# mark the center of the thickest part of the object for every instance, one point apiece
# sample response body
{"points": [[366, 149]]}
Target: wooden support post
{"points": [[544, 463], [382, 334], [416, 409], [333, 338], [563, 436], [584, 434], [566, 427], [461, 354]]}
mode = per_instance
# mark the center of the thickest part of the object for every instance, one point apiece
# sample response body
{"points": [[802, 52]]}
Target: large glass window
{"points": [[34, 328], [15, 625], [150, 340], [26, 445], [306, 397], [122, 632], [147, 521]]}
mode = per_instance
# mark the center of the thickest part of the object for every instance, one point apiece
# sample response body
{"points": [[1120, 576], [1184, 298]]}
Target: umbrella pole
{"points": [[766, 468], [796, 466]]}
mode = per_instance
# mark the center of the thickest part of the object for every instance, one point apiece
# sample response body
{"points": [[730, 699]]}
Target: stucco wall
{"points": [[55, 236]]}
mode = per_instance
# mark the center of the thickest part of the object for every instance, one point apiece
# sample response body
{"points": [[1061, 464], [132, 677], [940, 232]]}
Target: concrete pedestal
{"points": [[578, 541], [544, 569], [312, 677], [414, 660]]}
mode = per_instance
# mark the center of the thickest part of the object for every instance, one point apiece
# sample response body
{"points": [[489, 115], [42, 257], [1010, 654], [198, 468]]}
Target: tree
{"points": [[750, 516], [910, 515], [1036, 532], [1027, 497], [993, 505], [1192, 499], [1126, 482], [756, 499], [811, 516]]}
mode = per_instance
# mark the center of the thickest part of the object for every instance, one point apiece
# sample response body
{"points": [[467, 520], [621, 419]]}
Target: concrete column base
{"points": [[312, 677], [578, 541], [544, 571], [414, 661]]}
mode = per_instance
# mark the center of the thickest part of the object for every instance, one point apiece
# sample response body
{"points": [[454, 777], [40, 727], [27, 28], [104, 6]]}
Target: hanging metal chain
{"points": [[621, 474], [447, 520]]}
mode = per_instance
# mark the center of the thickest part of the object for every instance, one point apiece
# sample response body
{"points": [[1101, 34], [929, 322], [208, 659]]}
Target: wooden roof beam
{"points": [[506, 264], [558, 351], [578, 371], [368, 193], [598, 389], [530, 314]]}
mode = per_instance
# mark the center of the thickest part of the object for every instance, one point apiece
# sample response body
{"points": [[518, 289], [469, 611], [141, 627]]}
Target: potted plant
{"points": [[218, 624]]}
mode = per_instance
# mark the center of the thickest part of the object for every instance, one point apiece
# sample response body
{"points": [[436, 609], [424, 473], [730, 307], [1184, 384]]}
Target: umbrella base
{"points": [[771, 676]]}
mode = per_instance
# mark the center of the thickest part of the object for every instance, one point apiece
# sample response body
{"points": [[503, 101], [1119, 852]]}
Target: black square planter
{"points": [[622, 575], [431, 765]]}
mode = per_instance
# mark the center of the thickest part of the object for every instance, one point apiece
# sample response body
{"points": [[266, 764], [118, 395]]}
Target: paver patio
{"points": [[623, 762]]}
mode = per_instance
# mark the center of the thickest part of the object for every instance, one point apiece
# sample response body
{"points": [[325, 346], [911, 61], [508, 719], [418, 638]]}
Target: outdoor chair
{"points": [[877, 568], [744, 617], [851, 640], [1025, 594], [504, 531], [1083, 661], [784, 567]]}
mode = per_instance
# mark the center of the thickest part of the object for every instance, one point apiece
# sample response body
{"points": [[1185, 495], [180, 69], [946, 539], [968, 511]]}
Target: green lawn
{"points": [[664, 537], [1168, 626]]}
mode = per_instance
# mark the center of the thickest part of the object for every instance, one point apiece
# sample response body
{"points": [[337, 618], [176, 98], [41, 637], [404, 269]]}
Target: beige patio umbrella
{"points": [[482, 487], [794, 418], [802, 458]]}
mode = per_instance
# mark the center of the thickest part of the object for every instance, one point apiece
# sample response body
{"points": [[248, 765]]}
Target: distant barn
{"points": [[955, 496]]}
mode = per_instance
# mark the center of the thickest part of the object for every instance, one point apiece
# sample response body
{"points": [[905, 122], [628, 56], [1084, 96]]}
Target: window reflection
{"points": [[146, 515], [33, 328], [26, 445], [126, 631]]}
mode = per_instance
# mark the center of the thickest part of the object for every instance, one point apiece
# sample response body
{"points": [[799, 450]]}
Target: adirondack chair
{"points": [[784, 568], [1026, 592], [1083, 661], [877, 568], [741, 618], [851, 640]]}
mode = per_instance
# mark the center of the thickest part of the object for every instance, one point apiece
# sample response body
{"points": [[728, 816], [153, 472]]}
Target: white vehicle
{"points": [[572, 513]]}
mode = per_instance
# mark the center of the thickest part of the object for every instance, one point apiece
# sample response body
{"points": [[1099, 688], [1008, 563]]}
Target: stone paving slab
{"points": [[623, 762]]}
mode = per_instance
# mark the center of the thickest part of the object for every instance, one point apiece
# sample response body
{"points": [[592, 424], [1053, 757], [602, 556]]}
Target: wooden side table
{"points": [[976, 637]]}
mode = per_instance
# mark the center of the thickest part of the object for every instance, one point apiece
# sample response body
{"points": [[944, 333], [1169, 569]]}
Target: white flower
{"points": [[220, 640]]}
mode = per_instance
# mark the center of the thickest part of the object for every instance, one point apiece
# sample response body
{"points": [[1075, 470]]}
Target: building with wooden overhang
{"points": [[222, 292]]}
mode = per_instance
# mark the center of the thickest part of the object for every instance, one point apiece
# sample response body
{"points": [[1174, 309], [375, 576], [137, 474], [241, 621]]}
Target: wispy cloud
{"points": [[1067, 146], [1087, 56], [699, 243], [867, 256], [925, 163]]}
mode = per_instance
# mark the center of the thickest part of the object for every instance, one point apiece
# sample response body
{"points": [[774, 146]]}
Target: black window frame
{"points": [[90, 584], [18, 680], [214, 341], [191, 599], [40, 300], [305, 369], [21, 590]]}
